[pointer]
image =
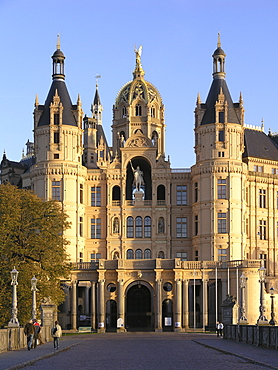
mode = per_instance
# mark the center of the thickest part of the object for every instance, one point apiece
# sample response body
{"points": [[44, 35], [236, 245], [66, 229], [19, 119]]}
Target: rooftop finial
{"points": [[97, 78], [58, 42], [138, 53], [219, 41]]}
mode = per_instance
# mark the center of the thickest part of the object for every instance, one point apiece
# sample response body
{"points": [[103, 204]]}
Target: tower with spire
{"points": [[219, 145]]}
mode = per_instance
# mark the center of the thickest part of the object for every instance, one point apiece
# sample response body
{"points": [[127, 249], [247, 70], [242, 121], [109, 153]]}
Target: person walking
{"points": [[37, 334], [56, 334], [221, 327], [217, 328], [29, 331]]}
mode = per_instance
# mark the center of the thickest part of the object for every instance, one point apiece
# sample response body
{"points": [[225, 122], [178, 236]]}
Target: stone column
{"points": [[93, 305], [86, 311], [185, 304], [121, 312], [205, 303], [158, 305], [74, 305], [178, 305], [101, 314]]}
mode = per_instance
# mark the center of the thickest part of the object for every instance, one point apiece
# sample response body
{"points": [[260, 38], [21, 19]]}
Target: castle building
{"points": [[156, 248]]}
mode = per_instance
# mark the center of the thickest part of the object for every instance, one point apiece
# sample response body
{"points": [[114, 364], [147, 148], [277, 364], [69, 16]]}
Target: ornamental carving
{"points": [[138, 142]]}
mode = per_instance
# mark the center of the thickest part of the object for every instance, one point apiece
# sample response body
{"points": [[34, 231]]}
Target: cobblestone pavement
{"points": [[132, 351]]}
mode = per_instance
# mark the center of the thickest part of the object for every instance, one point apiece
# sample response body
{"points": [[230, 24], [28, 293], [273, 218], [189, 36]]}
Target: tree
{"points": [[32, 240]]}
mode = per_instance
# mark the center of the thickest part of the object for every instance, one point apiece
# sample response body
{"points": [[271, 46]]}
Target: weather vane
{"points": [[97, 78]]}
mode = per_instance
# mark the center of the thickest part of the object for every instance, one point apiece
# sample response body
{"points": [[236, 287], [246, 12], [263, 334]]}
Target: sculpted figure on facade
{"points": [[138, 180]]}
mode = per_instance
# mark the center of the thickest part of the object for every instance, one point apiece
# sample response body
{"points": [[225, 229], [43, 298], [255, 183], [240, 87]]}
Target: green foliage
{"points": [[32, 240]]}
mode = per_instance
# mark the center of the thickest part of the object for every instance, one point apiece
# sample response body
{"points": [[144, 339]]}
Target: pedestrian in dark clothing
{"points": [[37, 334], [29, 331]]}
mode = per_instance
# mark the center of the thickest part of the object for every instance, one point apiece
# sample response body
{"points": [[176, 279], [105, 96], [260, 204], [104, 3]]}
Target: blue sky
{"points": [[98, 37]]}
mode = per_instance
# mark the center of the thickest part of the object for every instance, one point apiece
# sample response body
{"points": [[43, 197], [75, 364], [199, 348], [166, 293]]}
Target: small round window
{"points": [[111, 287], [167, 287]]}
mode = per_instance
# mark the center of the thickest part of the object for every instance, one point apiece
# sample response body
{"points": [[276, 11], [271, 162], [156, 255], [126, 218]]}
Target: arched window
{"points": [[161, 254], [116, 256], [147, 227], [124, 112], [154, 138], [138, 254], [129, 227], [147, 254], [129, 254], [138, 227], [161, 192], [161, 227], [138, 110]]}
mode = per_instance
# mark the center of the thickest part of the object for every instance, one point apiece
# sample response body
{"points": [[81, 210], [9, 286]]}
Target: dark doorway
{"points": [[111, 316], [139, 311], [167, 315]]}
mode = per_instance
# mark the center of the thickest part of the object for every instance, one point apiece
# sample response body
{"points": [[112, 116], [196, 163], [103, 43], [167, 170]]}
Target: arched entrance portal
{"points": [[139, 315]]}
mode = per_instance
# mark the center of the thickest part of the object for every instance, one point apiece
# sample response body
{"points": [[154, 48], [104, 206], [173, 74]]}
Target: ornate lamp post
{"points": [[262, 320], [34, 289], [243, 319], [272, 321], [14, 321]]}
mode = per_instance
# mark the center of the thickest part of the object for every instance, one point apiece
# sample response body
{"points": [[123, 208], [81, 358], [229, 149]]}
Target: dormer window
{"points": [[138, 110], [124, 112], [153, 112]]}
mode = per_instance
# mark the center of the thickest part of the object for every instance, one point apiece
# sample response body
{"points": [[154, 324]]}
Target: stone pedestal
{"points": [[229, 311], [138, 198], [48, 313]]}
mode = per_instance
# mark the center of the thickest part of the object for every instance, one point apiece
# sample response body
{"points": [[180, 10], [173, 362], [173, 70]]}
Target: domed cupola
{"points": [[138, 106], [219, 61], [58, 63]]}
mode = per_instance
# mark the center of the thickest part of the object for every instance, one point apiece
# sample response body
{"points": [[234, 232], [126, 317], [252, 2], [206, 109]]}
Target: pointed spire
{"points": [[199, 101], [138, 71]]}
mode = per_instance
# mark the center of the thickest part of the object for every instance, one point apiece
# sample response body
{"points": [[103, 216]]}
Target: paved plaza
{"points": [[142, 351]]}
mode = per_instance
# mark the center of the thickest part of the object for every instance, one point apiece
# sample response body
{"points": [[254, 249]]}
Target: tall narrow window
{"points": [[181, 195], [181, 227], [56, 190], [56, 138], [262, 198], [221, 117], [81, 193], [277, 199], [222, 254], [161, 228], [80, 226], [147, 227], [138, 110], [182, 256], [95, 256], [221, 188], [196, 220], [95, 228], [196, 191], [129, 227], [95, 196], [222, 223], [138, 227], [153, 112], [262, 230], [263, 257], [56, 118], [221, 135]]}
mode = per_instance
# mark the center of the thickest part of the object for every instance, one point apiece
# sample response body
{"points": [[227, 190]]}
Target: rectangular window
{"points": [[95, 228], [220, 135], [95, 256], [222, 254], [277, 199], [262, 198], [222, 223], [258, 168], [56, 118], [196, 191], [81, 193], [56, 156], [181, 227], [196, 225], [80, 257], [221, 188], [247, 227], [262, 230], [80, 226], [196, 255], [56, 138], [263, 258], [182, 256], [56, 190], [95, 196], [181, 195]]}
